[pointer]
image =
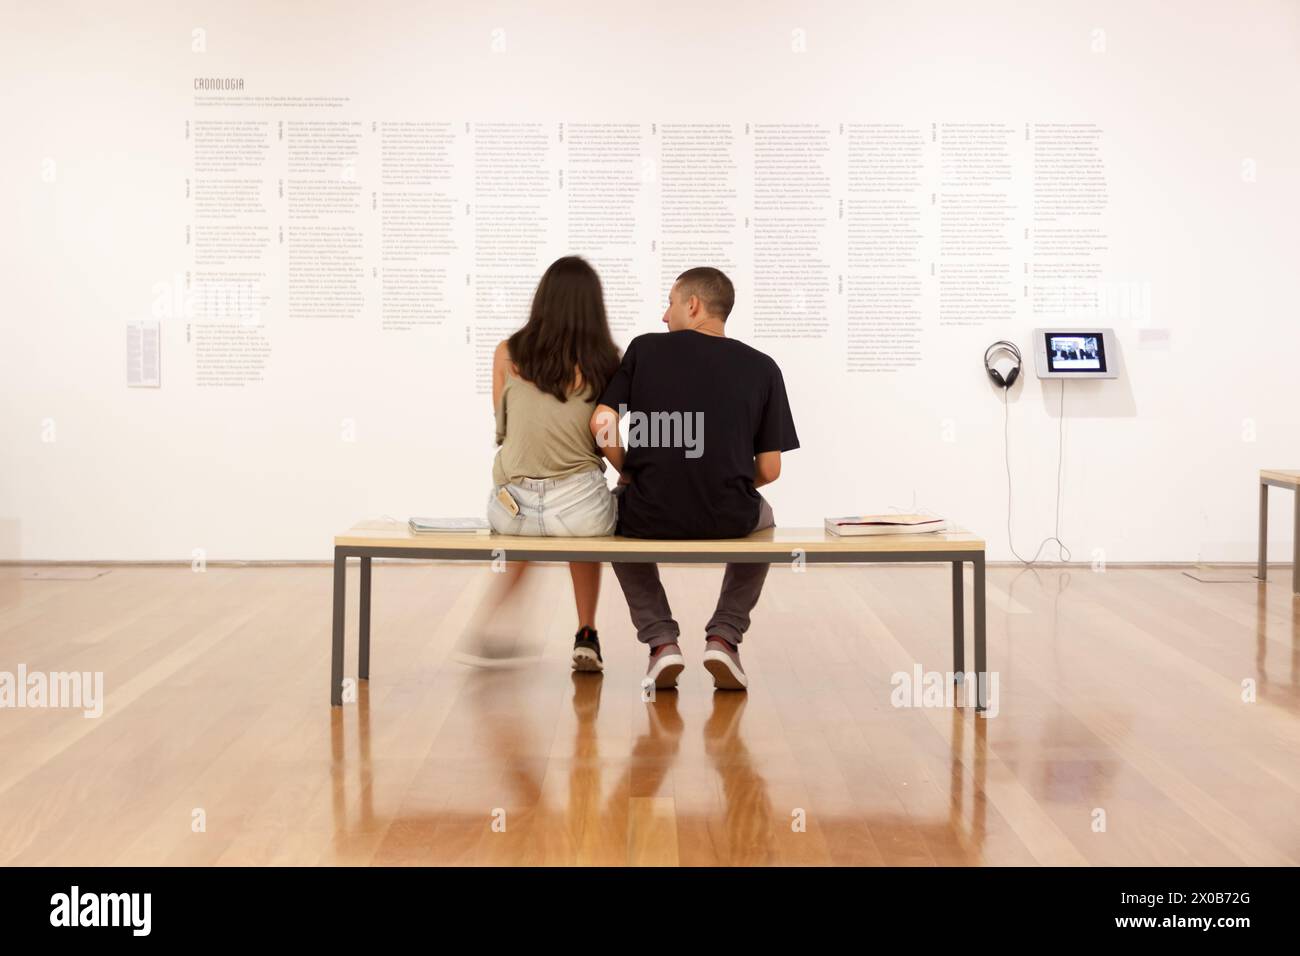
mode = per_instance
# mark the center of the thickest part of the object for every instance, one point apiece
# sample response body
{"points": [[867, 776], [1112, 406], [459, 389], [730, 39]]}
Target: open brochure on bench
{"points": [[449, 526], [885, 524]]}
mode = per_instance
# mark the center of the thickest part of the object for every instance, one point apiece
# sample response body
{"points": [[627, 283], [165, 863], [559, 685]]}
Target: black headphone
{"points": [[1010, 348]]}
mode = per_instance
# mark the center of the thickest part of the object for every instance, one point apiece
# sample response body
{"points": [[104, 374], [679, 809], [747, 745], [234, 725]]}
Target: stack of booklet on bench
{"points": [[448, 526], [885, 524]]}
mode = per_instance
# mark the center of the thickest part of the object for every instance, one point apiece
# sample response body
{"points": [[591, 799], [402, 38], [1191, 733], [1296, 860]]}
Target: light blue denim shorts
{"points": [[579, 506]]}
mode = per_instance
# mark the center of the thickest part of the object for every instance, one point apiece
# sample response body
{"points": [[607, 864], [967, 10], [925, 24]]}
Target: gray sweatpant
{"points": [[653, 618]]}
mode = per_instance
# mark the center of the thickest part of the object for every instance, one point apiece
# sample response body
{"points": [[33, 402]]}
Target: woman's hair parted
{"points": [[567, 329]]}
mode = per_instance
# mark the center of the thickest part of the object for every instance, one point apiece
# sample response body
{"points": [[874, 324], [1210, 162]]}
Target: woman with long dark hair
{"points": [[548, 476]]}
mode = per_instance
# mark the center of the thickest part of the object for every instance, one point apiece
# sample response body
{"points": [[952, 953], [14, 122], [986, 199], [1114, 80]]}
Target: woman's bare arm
{"points": [[604, 429], [500, 366]]}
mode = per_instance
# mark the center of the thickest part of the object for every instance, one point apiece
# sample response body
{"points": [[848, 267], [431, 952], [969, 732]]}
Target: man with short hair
{"points": [[723, 407]]}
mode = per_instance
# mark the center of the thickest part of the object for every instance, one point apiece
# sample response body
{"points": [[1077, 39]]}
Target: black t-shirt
{"points": [[700, 408]]}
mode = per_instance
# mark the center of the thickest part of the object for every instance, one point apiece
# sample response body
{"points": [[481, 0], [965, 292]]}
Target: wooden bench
{"points": [[380, 539]]}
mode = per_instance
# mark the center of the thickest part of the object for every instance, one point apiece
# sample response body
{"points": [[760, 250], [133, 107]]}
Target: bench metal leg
{"points": [[1262, 571], [363, 649], [958, 622], [336, 658], [981, 662], [1295, 548]]}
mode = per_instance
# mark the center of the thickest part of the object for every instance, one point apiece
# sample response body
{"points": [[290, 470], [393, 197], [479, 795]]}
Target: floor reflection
{"points": [[1262, 641], [583, 814]]}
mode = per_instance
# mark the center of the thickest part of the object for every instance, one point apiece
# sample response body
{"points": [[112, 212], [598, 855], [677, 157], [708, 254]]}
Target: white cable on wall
{"points": [[1063, 552]]}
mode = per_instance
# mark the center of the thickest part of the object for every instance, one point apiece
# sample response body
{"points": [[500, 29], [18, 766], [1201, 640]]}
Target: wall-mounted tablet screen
{"points": [[1076, 351]]}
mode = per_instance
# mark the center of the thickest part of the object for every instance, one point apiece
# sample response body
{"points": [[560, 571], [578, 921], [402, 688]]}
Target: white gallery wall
{"points": [[256, 254]]}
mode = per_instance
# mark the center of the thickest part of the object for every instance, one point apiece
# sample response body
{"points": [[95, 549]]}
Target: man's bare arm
{"points": [[767, 468]]}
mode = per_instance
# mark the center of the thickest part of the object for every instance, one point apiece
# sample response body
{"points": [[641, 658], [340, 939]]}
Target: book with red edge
{"points": [[855, 525]]}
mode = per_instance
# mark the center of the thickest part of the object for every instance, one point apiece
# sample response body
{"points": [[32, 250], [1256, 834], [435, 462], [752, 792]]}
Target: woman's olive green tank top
{"points": [[540, 436]]}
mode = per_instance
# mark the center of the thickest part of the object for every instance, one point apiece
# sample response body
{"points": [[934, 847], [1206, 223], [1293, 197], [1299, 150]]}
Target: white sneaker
{"points": [[724, 664], [664, 667]]}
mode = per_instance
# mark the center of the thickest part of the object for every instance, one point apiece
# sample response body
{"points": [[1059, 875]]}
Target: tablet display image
{"points": [[1075, 352]]}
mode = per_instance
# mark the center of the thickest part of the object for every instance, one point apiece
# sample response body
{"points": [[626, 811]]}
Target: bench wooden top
{"points": [[388, 534], [1280, 475]]}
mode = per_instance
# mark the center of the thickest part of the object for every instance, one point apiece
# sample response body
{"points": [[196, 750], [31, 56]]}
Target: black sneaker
{"points": [[586, 651]]}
